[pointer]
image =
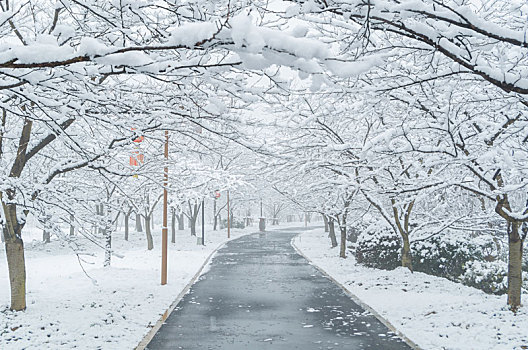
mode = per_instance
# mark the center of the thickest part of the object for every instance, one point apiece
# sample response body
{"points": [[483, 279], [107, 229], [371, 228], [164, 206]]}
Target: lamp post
{"points": [[165, 229], [228, 217], [203, 221]]}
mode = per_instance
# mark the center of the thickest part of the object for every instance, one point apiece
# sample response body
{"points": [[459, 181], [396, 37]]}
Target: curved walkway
{"points": [[260, 294]]}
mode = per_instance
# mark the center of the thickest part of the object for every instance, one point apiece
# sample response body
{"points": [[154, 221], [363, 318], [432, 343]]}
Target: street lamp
{"points": [[165, 229], [228, 217], [203, 221]]}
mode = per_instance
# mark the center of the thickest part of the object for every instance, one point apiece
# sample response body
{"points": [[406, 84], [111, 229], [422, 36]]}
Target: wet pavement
{"points": [[260, 294]]}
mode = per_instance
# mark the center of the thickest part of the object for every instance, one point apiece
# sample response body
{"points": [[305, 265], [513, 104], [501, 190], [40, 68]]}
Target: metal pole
{"points": [[165, 229], [214, 214], [228, 217], [203, 222]]}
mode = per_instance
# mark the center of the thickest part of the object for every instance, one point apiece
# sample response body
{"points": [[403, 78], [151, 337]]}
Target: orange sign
{"points": [[137, 160], [139, 138]]}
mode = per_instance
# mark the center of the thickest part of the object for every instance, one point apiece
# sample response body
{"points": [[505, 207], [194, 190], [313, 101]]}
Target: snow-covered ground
{"points": [[433, 312], [114, 307]]}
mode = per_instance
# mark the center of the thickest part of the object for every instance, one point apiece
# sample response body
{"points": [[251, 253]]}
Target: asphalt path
{"points": [[260, 294]]}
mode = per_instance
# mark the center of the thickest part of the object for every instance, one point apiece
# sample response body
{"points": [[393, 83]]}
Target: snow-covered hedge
{"points": [[491, 277], [487, 276], [442, 255], [450, 255], [379, 248], [445, 255], [236, 223]]}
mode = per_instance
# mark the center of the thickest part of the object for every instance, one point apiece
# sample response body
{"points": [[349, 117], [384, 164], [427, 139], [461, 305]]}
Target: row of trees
{"points": [[400, 108], [427, 131], [81, 80]]}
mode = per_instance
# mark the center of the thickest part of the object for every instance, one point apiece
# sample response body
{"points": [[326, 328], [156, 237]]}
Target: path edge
{"points": [[150, 335], [352, 296]]}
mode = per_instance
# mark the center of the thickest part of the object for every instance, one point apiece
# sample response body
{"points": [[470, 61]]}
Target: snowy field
{"points": [[433, 312], [114, 307]]}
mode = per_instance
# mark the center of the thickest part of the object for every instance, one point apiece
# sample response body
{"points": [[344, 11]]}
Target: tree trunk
{"points": [[108, 246], [193, 226], [514, 265], [127, 216], [325, 219], [215, 216], [331, 232], [17, 273], [406, 256], [95, 226], [139, 228], [342, 248], [403, 230], [72, 226], [193, 216], [150, 243], [181, 222], [100, 212], [46, 237], [14, 246], [116, 220], [173, 225]]}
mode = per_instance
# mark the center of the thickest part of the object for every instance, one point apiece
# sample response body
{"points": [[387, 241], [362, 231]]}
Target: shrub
{"points": [[487, 276], [444, 255], [236, 223], [353, 234], [379, 248], [452, 256]]}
